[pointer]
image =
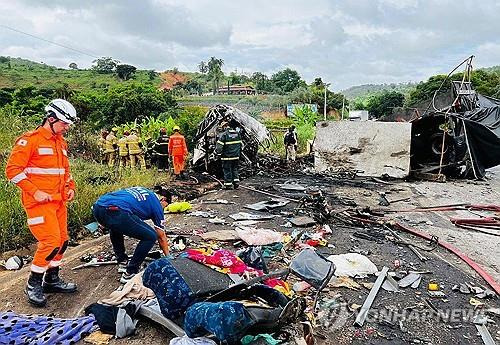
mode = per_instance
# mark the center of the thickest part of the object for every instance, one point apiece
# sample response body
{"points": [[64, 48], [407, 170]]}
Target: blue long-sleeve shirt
{"points": [[139, 201]]}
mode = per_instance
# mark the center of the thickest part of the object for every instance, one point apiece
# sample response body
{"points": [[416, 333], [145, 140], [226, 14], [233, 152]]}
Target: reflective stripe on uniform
{"points": [[236, 180], [220, 142], [38, 269], [36, 220], [65, 152], [45, 151], [229, 158], [233, 142], [55, 263], [45, 171], [18, 178]]}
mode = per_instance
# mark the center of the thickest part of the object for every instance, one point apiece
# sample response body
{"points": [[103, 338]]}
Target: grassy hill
{"points": [[363, 91], [17, 72]]}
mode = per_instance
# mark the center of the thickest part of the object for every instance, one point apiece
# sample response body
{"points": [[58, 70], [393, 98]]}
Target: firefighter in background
{"points": [[160, 150], [123, 151], [135, 151], [177, 149], [101, 145], [229, 148], [39, 166], [111, 146], [290, 141]]}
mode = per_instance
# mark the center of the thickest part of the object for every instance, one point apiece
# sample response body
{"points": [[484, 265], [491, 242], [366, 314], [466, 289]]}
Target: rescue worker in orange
{"points": [[39, 166], [177, 149]]}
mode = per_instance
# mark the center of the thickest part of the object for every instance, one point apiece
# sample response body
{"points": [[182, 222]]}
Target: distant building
{"points": [[358, 115], [237, 89]]}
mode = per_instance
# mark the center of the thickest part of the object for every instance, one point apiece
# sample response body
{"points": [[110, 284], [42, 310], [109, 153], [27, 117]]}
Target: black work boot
{"points": [[34, 290], [52, 282]]}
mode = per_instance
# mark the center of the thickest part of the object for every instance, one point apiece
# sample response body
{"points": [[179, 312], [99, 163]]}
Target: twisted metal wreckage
{"points": [[253, 134], [461, 139]]}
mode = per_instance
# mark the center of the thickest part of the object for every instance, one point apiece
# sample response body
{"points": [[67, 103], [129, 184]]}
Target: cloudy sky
{"points": [[345, 42]]}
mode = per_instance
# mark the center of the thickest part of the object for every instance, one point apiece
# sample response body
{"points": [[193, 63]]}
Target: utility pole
{"points": [[324, 105], [343, 100]]}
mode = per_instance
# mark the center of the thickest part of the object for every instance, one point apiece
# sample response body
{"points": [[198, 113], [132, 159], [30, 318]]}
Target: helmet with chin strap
{"points": [[61, 110]]}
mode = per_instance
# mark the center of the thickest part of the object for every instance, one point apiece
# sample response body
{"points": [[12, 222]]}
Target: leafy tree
{"points": [[215, 72], [127, 102], [261, 82], [5, 97], [316, 95], [73, 65], [152, 74], [124, 71], [381, 104], [105, 65], [425, 90], [287, 80], [203, 67], [318, 82], [4, 59]]}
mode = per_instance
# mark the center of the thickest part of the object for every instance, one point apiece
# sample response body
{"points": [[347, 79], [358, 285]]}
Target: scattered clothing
{"points": [[170, 288], [228, 321], [133, 290], [31, 329], [222, 260], [114, 320], [249, 339]]}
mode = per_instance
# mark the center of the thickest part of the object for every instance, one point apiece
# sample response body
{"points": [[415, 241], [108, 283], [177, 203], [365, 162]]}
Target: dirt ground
{"points": [[448, 270]]}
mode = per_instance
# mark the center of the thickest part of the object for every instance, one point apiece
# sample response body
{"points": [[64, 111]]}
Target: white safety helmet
{"points": [[62, 109]]}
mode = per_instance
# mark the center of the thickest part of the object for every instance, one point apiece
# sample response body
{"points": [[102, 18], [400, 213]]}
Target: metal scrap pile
{"points": [[253, 134]]}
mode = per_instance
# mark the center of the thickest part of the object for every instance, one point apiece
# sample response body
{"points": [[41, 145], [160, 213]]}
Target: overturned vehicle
{"points": [[253, 134], [461, 139]]}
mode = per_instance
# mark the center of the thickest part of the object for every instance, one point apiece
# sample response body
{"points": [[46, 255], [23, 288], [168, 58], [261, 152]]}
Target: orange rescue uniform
{"points": [[39, 161], [178, 150]]}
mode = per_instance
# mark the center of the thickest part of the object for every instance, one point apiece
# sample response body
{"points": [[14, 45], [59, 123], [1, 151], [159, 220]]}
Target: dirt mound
{"points": [[171, 78]]}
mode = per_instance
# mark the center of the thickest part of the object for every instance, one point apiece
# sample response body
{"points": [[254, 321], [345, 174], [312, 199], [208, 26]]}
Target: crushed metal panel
{"points": [[372, 148]]}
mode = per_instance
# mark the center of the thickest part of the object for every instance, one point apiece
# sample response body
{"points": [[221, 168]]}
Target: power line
{"points": [[45, 40]]}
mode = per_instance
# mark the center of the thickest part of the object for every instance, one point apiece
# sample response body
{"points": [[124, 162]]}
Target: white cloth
{"points": [[258, 237], [352, 265]]}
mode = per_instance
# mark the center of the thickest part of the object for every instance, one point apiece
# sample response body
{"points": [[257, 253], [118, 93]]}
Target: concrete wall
{"points": [[373, 148]]}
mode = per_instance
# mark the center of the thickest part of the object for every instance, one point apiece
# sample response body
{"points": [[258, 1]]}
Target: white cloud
{"points": [[344, 42]]}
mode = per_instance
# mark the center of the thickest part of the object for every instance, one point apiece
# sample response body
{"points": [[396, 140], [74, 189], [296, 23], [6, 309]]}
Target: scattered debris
{"points": [[363, 313], [302, 221], [352, 265]]}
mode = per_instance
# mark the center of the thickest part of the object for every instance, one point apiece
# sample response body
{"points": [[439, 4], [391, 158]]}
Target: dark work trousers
{"points": [[230, 169], [120, 223], [162, 162]]}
